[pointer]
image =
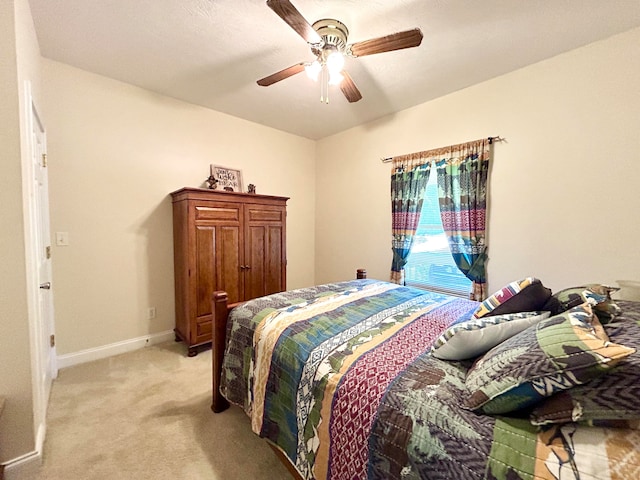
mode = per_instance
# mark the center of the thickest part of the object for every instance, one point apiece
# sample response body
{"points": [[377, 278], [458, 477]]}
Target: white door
{"points": [[44, 354]]}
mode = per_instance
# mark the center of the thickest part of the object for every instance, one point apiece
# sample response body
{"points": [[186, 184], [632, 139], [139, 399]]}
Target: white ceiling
{"points": [[211, 52]]}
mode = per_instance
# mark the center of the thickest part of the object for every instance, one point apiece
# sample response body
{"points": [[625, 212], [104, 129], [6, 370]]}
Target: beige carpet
{"points": [[146, 415]]}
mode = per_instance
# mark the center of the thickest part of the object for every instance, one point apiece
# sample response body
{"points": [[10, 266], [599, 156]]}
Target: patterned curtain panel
{"points": [[408, 185], [462, 190]]}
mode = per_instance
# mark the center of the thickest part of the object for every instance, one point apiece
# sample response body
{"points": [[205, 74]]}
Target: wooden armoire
{"points": [[228, 241]]}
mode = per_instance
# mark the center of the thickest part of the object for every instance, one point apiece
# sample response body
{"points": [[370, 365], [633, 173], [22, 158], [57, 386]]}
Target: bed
{"points": [[368, 379]]}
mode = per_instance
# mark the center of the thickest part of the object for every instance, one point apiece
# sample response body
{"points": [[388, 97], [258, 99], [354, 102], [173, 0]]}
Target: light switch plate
{"points": [[62, 239]]}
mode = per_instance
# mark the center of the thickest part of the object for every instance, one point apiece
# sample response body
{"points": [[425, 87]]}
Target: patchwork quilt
{"points": [[341, 379]]}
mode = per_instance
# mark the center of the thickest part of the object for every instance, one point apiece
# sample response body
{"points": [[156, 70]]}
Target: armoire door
{"points": [[228, 273], [255, 269], [264, 251], [217, 261]]}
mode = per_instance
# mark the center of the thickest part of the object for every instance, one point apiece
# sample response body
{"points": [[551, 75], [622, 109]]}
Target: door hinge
{"points": [[44, 159], [48, 252], [52, 341]]}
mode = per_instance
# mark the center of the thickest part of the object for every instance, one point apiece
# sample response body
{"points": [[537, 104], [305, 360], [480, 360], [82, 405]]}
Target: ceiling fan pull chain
{"points": [[324, 86]]}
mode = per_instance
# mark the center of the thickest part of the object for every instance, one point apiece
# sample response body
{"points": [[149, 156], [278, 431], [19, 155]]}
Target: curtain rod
{"points": [[491, 140]]}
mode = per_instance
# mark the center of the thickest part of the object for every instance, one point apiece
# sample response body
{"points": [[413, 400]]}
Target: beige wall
{"points": [[115, 153], [19, 60], [564, 187]]}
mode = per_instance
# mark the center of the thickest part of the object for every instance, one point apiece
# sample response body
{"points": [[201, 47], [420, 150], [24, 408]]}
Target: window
{"points": [[430, 263]]}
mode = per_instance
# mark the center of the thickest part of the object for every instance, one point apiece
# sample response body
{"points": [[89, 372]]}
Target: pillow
{"points": [[476, 336], [555, 354], [522, 296], [609, 398], [595, 294]]}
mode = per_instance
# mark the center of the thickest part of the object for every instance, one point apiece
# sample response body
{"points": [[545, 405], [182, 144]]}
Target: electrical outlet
{"points": [[151, 313]]}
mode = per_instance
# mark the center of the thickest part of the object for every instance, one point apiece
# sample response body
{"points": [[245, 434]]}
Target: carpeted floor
{"points": [[146, 415]]}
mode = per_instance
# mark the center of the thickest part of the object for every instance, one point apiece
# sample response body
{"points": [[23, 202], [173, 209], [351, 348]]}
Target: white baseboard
{"points": [[40, 436], [23, 467], [112, 349]]}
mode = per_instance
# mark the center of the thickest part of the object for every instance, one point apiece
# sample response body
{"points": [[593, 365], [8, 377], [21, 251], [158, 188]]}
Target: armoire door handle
{"points": [[45, 286]]}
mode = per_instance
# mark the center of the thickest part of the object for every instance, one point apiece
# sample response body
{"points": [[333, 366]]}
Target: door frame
{"points": [[43, 371]]}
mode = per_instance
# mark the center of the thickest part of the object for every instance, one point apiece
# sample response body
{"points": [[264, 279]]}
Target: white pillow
{"points": [[474, 337]]}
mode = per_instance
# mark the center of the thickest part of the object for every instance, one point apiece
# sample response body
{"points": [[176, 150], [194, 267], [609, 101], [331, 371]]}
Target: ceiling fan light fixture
{"points": [[313, 70], [335, 62]]}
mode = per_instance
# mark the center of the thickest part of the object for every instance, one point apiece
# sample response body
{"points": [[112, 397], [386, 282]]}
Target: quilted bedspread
{"points": [[340, 378]]}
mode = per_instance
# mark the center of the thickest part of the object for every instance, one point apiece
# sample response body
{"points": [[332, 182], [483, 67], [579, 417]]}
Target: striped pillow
{"points": [[525, 295]]}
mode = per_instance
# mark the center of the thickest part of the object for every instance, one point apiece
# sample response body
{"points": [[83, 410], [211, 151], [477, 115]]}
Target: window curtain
{"points": [[408, 184], [462, 192]]}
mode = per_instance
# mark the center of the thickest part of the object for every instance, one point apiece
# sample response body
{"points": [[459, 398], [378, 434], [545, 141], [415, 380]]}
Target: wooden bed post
{"points": [[220, 312], [361, 273]]}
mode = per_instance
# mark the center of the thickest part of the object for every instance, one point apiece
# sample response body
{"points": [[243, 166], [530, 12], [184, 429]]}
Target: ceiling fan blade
{"points": [[349, 88], [285, 10], [281, 75], [388, 43]]}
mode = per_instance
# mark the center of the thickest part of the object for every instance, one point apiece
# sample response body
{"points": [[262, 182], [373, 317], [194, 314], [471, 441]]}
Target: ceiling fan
{"points": [[328, 41]]}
